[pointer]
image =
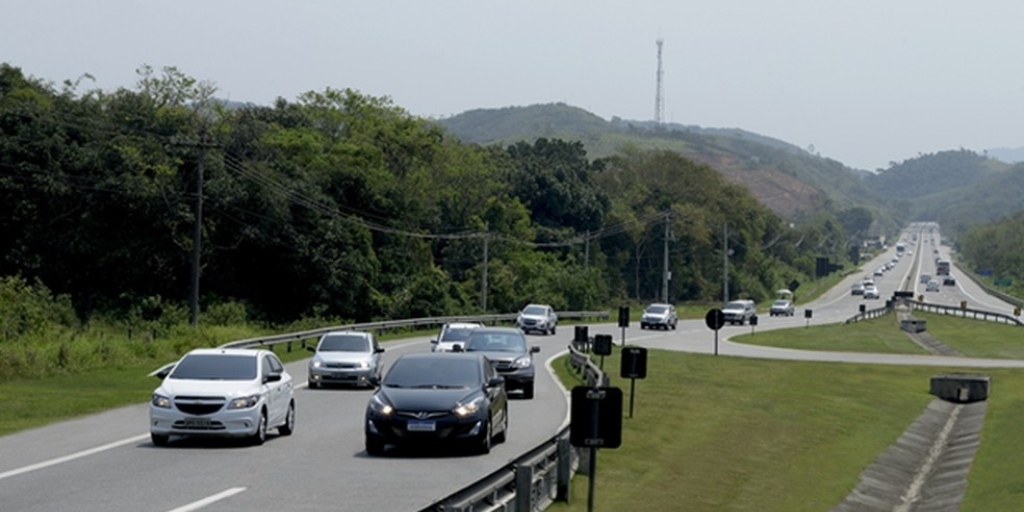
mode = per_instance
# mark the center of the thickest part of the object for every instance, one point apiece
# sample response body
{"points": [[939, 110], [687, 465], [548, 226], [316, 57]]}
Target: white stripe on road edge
{"points": [[73, 456], [196, 505]]}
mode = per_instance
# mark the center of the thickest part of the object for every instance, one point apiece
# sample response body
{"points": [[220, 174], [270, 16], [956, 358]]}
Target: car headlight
{"points": [[161, 401], [244, 402], [316, 363], [522, 362], [469, 408], [364, 365], [380, 406]]}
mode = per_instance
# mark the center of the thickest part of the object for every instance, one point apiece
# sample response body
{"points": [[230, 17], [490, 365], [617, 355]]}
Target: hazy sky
{"points": [[865, 81]]}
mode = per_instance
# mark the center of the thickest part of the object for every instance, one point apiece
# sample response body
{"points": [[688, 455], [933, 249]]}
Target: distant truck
{"points": [[942, 268]]}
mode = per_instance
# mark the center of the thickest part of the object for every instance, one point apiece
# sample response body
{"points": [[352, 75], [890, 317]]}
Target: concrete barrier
{"points": [[961, 388]]}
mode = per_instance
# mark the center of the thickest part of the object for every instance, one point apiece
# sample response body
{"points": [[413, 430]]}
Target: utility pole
{"points": [[483, 281], [725, 262], [659, 100], [197, 230], [664, 273], [586, 252]]}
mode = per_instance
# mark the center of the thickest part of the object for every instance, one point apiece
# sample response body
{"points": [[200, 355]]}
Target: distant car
{"points": [[739, 311], [932, 286], [868, 281], [659, 316], [215, 392], [871, 292], [782, 307], [925, 278], [857, 289], [428, 398], [948, 281], [879, 272], [537, 318], [452, 336], [507, 349], [345, 357]]}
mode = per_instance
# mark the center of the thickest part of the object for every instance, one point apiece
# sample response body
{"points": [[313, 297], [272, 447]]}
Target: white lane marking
{"points": [[73, 456], [196, 505]]}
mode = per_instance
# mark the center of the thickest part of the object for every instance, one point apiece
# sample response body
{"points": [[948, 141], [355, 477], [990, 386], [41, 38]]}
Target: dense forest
{"points": [[340, 205]]}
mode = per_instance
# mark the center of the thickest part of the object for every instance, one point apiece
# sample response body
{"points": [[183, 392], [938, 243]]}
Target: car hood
{"points": [[735, 311], [343, 357], [655, 315], [225, 388], [419, 399], [448, 346], [539, 318], [503, 357]]}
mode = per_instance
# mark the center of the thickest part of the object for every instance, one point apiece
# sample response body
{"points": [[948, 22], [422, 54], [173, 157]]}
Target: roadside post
{"points": [[753, 323], [603, 346], [595, 422], [633, 366], [623, 322], [808, 314], [715, 319]]}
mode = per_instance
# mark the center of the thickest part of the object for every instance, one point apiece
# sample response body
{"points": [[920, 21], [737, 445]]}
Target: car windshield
{"points": [[434, 373], [344, 343], [456, 334], [735, 305], [534, 310], [496, 342], [656, 310], [781, 303], [215, 367]]}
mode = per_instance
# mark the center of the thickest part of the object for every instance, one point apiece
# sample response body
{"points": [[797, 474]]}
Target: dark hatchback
{"points": [[433, 397], [506, 347]]}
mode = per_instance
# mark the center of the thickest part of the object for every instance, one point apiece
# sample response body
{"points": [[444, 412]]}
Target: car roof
{"points": [[228, 351], [502, 330], [660, 304], [463, 325], [416, 356], [347, 333]]}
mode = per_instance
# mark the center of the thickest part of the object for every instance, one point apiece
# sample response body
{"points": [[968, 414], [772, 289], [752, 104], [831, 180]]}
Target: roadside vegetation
{"points": [[718, 433]]}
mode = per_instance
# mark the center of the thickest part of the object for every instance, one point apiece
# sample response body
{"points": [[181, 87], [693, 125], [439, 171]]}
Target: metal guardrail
{"points": [[271, 341], [871, 313], [537, 478], [988, 289], [977, 314]]}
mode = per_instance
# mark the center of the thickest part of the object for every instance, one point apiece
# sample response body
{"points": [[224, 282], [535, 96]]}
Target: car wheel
{"points": [[159, 439], [553, 330], [643, 326], [289, 421], [260, 436], [503, 436], [528, 390], [484, 443], [313, 384], [374, 446], [674, 326]]}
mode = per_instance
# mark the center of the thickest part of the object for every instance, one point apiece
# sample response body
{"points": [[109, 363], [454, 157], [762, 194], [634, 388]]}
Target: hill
{"points": [[790, 181]]}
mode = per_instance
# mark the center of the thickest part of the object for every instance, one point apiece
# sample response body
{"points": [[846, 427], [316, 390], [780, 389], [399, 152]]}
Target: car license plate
{"points": [[421, 426], [197, 422]]}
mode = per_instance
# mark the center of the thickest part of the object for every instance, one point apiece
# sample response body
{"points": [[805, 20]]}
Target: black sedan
{"points": [[430, 398]]}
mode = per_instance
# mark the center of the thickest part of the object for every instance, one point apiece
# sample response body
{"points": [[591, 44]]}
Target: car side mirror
{"points": [[311, 349], [272, 377], [433, 341], [373, 380], [378, 350], [162, 373], [457, 348], [534, 349], [496, 381]]}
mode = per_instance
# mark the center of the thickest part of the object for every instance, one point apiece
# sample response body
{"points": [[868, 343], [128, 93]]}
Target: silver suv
{"points": [[739, 311], [537, 318], [345, 357], [659, 316]]}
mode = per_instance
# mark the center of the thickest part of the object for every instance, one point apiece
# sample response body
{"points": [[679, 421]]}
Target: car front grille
{"points": [[421, 415], [347, 366], [199, 405]]}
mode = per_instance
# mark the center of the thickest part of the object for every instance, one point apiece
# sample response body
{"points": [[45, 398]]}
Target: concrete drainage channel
{"points": [[926, 468]]}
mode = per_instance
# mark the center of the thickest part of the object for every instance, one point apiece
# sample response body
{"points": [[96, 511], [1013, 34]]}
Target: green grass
{"points": [[717, 433], [881, 335], [970, 337]]}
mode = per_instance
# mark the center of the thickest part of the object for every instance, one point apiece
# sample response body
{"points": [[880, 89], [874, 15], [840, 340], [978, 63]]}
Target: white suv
{"points": [[223, 393]]}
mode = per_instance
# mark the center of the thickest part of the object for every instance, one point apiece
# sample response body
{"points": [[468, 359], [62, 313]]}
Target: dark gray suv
{"points": [[507, 349]]}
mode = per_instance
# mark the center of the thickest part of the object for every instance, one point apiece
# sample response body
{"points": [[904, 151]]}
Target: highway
{"points": [[105, 462]]}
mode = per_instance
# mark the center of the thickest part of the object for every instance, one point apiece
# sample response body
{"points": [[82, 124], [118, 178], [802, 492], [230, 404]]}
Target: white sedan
{"points": [[223, 393]]}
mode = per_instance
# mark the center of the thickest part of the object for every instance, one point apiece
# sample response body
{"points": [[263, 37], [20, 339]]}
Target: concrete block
{"points": [[961, 388]]}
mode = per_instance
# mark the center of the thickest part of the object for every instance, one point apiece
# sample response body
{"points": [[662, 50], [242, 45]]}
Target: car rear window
{"points": [[657, 310], [457, 334], [215, 367]]}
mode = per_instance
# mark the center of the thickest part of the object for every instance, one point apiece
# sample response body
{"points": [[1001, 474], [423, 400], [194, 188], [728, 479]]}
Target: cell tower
{"points": [[659, 100]]}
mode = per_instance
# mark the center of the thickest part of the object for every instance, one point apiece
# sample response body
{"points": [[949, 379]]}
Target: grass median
{"points": [[719, 433]]}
